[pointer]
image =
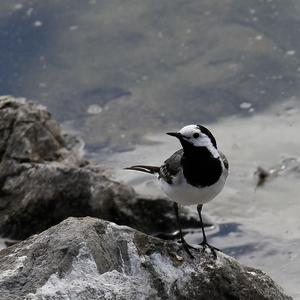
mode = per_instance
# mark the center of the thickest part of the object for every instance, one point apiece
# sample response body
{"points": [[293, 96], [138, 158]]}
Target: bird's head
{"points": [[195, 136]]}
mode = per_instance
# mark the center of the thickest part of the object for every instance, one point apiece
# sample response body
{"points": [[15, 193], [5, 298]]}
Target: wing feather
{"points": [[145, 169], [224, 159], [171, 166]]}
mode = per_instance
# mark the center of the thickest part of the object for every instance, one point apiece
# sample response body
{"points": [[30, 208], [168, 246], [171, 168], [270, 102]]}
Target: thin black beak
{"points": [[176, 134]]}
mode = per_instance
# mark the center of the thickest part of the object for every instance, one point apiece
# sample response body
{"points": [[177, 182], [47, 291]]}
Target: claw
{"points": [[187, 247], [184, 242], [213, 249], [187, 250]]}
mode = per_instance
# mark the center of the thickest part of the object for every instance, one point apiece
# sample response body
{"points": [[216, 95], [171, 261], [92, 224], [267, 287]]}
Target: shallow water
{"points": [[114, 70], [259, 226]]}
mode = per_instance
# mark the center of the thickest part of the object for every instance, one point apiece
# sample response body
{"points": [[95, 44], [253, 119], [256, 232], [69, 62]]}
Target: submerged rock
{"points": [[43, 180], [94, 259], [287, 166]]}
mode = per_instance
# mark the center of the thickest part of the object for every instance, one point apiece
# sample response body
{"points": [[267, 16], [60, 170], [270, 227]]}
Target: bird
{"points": [[194, 174]]}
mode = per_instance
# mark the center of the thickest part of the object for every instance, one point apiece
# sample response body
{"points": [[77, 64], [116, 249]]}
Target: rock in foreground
{"points": [[94, 259]]}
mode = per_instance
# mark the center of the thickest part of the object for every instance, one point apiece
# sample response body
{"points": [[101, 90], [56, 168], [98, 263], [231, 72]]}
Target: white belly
{"points": [[185, 194]]}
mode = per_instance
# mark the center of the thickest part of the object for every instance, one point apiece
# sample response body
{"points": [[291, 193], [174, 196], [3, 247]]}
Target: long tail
{"points": [[145, 169]]}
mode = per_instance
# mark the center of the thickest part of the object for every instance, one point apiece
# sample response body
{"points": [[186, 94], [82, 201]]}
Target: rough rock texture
{"points": [[94, 259], [37, 196], [44, 180], [28, 133]]}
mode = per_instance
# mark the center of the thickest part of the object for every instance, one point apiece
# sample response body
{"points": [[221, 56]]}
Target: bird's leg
{"points": [[204, 243], [185, 245]]}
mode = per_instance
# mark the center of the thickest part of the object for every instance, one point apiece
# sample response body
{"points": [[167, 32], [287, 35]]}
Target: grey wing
{"points": [[171, 166], [225, 161]]}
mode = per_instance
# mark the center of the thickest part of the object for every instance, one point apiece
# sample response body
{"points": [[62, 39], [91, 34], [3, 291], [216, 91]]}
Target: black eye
{"points": [[196, 135]]}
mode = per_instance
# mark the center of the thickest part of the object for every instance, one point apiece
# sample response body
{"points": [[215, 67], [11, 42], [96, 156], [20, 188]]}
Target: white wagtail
{"points": [[192, 175]]}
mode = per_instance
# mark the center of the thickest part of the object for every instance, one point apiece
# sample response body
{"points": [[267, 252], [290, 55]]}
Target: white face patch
{"points": [[189, 130], [193, 135]]}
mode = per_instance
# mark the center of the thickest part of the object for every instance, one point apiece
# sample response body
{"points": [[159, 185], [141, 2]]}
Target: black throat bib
{"points": [[200, 168]]}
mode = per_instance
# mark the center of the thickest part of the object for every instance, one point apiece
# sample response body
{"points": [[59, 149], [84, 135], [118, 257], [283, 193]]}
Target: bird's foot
{"points": [[187, 247], [213, 249]]}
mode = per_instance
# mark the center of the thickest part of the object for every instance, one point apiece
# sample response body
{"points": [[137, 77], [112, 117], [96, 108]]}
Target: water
{"points": [[122, 73], [155, 64]]}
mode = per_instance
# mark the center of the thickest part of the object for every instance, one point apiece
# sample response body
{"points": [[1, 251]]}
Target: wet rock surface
{"points": [[89, 258], [44, 180]]}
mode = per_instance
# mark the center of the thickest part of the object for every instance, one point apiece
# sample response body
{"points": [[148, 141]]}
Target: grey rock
{"points": [[43, 180], [28, 133], [36, 196], [94, 259]]}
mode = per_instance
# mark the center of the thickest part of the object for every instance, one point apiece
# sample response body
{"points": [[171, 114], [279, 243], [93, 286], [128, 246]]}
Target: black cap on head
{"points": [[209, 134]]}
